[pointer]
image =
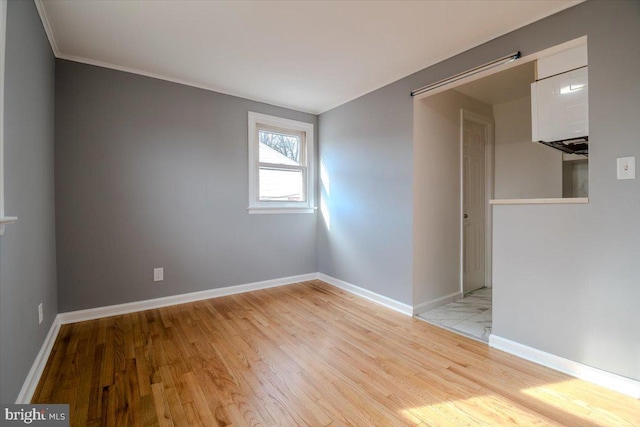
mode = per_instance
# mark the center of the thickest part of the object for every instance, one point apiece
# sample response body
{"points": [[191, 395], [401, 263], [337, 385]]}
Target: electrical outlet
{"points": [[40, 314], [158, 274]]}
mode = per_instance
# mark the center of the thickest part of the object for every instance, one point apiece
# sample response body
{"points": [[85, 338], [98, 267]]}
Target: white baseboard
{"points": [[606, 379], [364, 293], [33, 377], [428, 305], [132, 307]]}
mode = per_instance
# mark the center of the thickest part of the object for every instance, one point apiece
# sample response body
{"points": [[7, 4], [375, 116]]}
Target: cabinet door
{"points": [[560, 106]]}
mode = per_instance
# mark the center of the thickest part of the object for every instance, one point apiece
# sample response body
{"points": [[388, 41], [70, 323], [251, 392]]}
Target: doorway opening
{"points": [[490, 115]]}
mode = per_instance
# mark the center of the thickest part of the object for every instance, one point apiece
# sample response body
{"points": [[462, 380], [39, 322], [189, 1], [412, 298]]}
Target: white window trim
{"points": [[274, 207], [4, 220]]}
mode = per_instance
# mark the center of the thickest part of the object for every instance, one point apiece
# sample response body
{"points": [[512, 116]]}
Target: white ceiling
{"points": [[306, 55]]}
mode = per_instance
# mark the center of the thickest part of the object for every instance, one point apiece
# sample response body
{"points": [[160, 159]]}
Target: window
{"points": [[281, 175]]}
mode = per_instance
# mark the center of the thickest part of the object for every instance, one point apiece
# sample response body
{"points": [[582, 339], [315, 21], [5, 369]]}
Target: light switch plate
{"points": [[627, 167]]}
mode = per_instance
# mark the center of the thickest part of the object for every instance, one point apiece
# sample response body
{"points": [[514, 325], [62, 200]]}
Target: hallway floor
{"points": [[470, 316]]}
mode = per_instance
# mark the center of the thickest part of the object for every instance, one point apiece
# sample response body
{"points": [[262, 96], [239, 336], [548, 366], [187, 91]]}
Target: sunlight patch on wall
{"points": [[324, 179], [325, 192]]}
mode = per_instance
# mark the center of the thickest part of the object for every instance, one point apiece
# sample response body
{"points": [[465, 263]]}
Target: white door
{"points": [[473, 202]]}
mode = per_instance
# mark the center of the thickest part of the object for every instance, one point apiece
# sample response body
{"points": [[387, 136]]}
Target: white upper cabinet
{"points": [[561, 62], [560, 97]]}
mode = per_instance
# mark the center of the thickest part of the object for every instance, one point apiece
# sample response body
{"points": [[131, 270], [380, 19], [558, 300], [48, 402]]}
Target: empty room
{"points": [[322, 213]]}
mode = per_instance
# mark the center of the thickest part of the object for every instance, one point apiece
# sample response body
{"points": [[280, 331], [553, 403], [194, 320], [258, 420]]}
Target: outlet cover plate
{"points": [[158, 274]]}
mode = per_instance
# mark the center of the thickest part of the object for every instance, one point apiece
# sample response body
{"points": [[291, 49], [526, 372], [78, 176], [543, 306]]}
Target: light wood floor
{"points": [[305, 354]]}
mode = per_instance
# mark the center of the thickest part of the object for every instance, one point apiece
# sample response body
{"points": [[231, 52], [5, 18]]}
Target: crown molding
{"points": [[47, 27]]}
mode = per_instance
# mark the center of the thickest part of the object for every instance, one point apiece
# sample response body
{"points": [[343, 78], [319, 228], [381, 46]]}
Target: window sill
{"points": [[568, 201], [263, 210], [6, 220]]}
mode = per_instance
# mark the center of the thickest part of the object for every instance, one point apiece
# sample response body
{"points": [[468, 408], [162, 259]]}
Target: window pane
{"points": [[281, 185], [279, 148]]}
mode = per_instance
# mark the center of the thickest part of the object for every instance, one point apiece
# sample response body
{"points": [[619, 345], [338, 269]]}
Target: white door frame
{"points": [[488, 178]]}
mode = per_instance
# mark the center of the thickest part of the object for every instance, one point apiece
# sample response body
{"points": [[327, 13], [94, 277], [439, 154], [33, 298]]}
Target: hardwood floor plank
{"points": [[199, 399], [175, 407], [129, 337], [107, 375], [132, 393], [108, 417], [305, 354], [148, 411], [84, 390], [142, 371], [94, 411], [163, 413]]}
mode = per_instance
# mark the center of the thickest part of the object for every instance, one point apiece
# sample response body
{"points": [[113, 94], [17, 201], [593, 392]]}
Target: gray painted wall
{"points": [[566, 278], [523, 170], [154, 174], [27, 249], [364, 151]]}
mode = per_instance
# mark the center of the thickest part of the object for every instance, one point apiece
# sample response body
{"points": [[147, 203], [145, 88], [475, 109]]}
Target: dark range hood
{"points": [[570, 146]]}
